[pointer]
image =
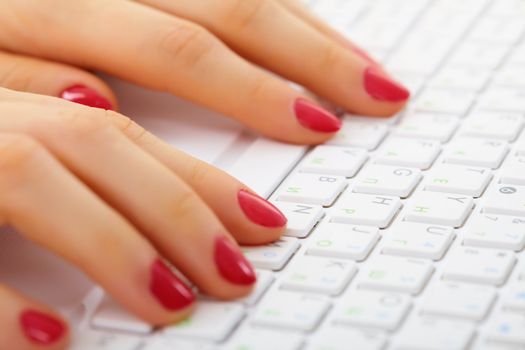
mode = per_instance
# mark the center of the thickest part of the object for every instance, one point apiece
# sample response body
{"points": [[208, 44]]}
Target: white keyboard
{"points": [[406, 233]]}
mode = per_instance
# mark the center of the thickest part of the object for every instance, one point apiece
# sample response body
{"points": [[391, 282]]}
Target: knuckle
{"points": [[184, 205], [198, 172], [259, 88], [242, 14], [128, 127], [83, 123], [185, 44], [16, 75], [330, 57], [16, 151]]}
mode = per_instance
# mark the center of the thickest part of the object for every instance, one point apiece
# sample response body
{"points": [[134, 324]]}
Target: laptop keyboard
{"points": [[404, 233]]}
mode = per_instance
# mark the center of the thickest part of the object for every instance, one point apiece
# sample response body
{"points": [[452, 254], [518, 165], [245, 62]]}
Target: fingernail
{"points": [[314, 117], [259, 210], [383, 88], [232, 264], [86, 96], [169, 290], [40, 328]]}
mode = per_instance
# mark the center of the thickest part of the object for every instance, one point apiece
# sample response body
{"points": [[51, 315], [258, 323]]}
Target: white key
{"points": [[439, 208], [272, 256], [338, 338], [497, 30], [461, 78], [495, 231], [311, 189], [417, 240], [454, 102], [360, 134], [484, 266], [318, 275], [331, 160], [510, 76], [413, 82], [505, 199], [389, 180], [210, 320], [264, 281], [460, 179], [521, 275], [111, 316], [366, 209], [451, 299], [427, 126], [508, 328], [89, 340], [372, 309], [493, 125], [395, 274], [162, 342], [291, 311], [518, 55], [408, 153], [513, 171], [434, 334], [480, 55], [476, 152], [343, 241], [514, 298], [301, 217], [262, 339], [503, 99]]}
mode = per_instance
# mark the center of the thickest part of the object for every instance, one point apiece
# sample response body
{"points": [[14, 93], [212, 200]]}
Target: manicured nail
{"points": [[86, 96], [169, 290], [259, 210], [314, 117], [40, 328], [383, 88], [232, 264]]}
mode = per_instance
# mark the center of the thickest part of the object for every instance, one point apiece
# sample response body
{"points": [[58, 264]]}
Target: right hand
{"points": [[101, 192]]}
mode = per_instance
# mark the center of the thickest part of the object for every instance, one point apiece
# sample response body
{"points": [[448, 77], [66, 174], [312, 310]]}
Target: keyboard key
{"points": [[331, 160], [513, 171], [480, 55], [272, 256], [264, 281], [495, 231], [510, 76], [365, 209], [338, 338], [89, 340], [493, 125], [361, 134], [503, 99], [439, 208], [287, 310], [454, 102], [389, 180], [301, 217], [372, 309], [497, 30], [484, 266], [311, 189], [450, 299], [111, 316], [417, 240], [476, 152], [408, 153], [318, 275], [343, 241], [438, 127], [505, 199], [395, 274], [434, 334], [514, 298], [508, 328], [212, 320], [461, 78], [263, 339], [458, 179]]}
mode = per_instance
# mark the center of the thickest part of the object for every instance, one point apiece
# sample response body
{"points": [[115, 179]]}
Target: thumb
{"points": [[38, 76]]}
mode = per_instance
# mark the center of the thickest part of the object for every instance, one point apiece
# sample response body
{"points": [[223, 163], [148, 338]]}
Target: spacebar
{"points": [[265, 164]]}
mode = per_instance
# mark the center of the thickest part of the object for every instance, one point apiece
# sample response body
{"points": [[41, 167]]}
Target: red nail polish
{"points": [[40, 328], [232, 264], [383, 88], [259, 210], [86, 96], [315, 117], [169, 290]]}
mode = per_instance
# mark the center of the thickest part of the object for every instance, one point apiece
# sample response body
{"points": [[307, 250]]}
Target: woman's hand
{"points": [[98, 190], [207, 51]]}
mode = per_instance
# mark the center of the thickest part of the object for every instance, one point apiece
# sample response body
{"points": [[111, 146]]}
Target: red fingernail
{"points": [[40, 328], [86, 96], [383, 88], [169, 290], [259, 210], [314, 117], [232, 264]]}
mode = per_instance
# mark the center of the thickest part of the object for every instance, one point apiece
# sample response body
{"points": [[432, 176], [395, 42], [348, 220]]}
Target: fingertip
{"points": [[87, 96]]}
